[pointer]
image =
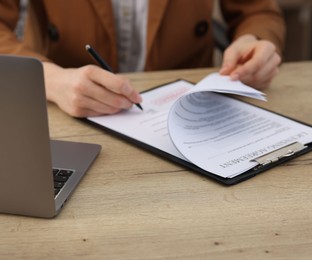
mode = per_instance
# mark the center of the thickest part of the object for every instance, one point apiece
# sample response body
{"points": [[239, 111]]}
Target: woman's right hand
{"points": [[88, 90]]}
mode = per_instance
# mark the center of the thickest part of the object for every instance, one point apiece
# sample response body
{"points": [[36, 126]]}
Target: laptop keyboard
{"points": [[61, 176]]}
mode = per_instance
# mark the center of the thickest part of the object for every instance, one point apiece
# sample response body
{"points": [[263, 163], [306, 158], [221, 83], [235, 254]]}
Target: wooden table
{"points": [[135, 205]]}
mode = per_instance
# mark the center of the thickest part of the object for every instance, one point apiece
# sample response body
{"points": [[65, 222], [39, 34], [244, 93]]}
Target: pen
{"points": [[102, 63]]}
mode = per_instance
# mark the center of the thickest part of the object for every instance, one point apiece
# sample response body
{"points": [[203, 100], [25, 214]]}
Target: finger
{"points": [[269, 71], [262, 54], [230, 60], [266, 69], [114, 83], [262, 79], [105, 96], [263, 82], [86, 106], [97, 107]]}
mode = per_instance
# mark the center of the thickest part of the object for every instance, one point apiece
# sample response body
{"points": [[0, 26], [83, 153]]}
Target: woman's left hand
{"points": [[252, 61]]}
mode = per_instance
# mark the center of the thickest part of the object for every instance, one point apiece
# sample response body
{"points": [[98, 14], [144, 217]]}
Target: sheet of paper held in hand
{"points": [[217, 133]]}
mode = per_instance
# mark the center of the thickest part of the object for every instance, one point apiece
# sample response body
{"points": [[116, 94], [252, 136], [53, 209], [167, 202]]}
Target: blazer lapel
{"points": [[104, 10], [156, 10]]}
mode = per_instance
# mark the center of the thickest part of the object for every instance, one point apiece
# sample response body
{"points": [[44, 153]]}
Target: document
{"points": [[202, 126]]}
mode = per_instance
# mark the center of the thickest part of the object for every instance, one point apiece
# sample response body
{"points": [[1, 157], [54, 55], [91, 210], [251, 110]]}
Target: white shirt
{"points": [[131, 20]]}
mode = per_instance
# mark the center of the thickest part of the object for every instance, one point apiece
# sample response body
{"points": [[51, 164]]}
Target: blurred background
{"points": [[298, 17]]}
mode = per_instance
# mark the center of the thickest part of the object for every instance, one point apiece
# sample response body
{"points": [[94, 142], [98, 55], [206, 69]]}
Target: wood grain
{"points": [[135, 205]]}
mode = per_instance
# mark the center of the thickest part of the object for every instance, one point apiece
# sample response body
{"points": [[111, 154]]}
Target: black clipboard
{"points": [[269, 161]]}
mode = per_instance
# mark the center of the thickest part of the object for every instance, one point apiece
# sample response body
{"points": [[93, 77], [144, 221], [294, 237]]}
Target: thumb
{"points": [[230, 61]]}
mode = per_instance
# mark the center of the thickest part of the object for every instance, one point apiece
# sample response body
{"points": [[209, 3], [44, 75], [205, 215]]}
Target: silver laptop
{"points": [[28, 185]]}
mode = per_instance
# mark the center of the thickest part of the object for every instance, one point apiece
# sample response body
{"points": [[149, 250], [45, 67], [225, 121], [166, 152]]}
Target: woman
{"points": [[136, 35]]}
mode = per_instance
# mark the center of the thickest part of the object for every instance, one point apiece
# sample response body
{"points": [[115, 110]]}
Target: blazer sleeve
{"points": [[262, 18], [9, 43]]}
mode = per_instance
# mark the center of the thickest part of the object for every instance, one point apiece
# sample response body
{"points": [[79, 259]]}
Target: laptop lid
{"points": [[26, 179]]}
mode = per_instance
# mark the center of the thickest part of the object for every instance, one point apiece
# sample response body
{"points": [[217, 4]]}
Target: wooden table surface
{"points": [[135, 205]]}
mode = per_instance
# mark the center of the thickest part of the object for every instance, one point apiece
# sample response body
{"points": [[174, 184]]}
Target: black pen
{"points": [[102, 63]]}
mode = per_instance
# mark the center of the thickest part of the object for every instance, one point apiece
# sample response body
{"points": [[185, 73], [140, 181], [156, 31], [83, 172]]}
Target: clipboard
{"points": [[264, 162]]}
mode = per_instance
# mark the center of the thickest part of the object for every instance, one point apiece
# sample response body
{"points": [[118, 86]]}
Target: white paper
{"points": [[150, 125], [223, 135], [218, 134], [223, 84]]}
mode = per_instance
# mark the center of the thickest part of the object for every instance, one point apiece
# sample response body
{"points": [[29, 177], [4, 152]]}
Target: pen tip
{"points": [[88, 47], [139, 106]]}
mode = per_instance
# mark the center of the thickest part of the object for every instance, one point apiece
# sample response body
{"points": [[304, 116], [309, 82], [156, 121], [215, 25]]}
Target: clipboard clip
{"points": [[283, 152]]}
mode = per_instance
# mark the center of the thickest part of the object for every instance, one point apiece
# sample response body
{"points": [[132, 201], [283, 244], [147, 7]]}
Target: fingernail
{"points": [[223, 70], [235, 76]]}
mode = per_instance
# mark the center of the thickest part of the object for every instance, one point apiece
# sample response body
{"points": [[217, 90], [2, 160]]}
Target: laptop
{"points": [[37, 175]]}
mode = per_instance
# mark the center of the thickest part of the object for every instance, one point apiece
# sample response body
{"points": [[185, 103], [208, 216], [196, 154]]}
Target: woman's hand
{"points": [[88, 91], [252, 61]]}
